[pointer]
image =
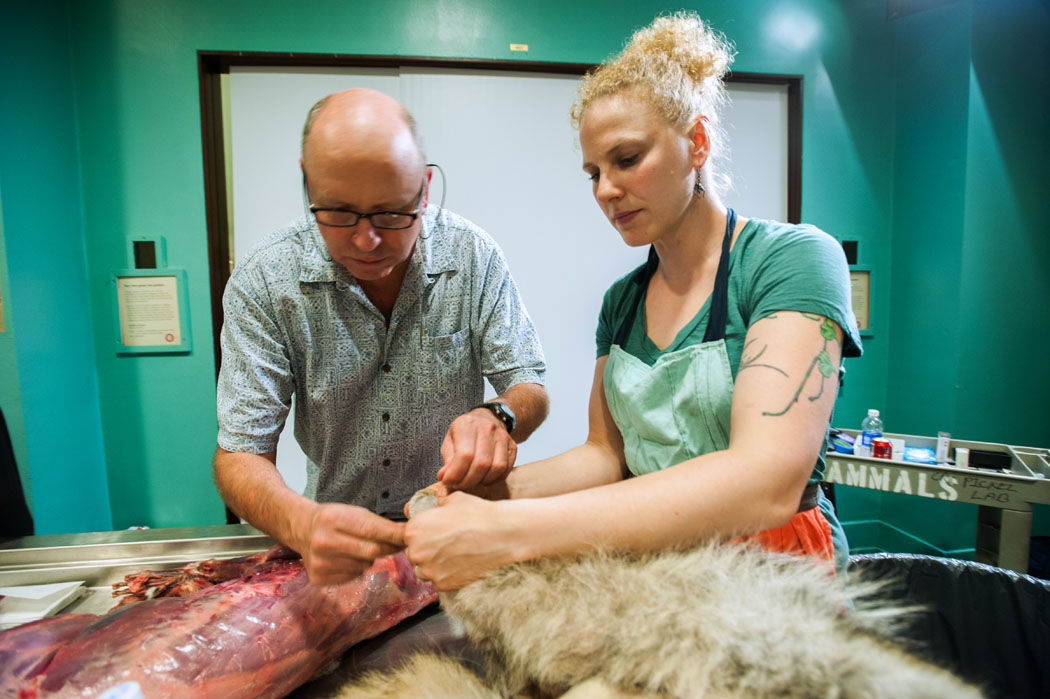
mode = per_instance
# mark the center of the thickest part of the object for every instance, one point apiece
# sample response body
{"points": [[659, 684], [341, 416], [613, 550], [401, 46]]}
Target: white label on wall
{"points": [[149, 311]]}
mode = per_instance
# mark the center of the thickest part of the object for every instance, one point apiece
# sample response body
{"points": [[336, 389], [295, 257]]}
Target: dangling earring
{"points": [[698, 188]]}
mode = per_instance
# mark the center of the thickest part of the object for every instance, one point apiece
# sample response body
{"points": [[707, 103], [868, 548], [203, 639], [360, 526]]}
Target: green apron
{"points": [[678, 408]]}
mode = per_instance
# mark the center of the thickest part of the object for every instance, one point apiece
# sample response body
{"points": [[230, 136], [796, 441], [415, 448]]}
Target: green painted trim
{"points": [[870, 535]]}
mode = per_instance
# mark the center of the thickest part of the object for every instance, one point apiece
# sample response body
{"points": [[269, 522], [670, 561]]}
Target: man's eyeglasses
{"points": [[347, 218]]}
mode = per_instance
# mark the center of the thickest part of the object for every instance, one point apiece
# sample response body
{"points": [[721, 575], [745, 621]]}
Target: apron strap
{"points": [[719, 312], [716, 319], [640, 280]]}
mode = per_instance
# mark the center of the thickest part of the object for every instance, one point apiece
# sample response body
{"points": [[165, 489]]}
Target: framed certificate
{"points": [[860, 286], [152, 311]]}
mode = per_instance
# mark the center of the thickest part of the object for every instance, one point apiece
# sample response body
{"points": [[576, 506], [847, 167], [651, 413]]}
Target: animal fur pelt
{"points": [[716, 621]]}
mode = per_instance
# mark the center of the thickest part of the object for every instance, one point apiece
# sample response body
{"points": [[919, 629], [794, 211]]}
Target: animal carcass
{"points": [[261, 634], [27, 649]]}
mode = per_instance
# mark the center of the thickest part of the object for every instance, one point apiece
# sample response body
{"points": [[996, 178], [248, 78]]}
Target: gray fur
{"points": [[716, 621], [423, 676]]}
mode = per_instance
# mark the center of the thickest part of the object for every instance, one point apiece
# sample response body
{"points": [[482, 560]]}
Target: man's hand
{"points": [[477, 451], [339, 542]]}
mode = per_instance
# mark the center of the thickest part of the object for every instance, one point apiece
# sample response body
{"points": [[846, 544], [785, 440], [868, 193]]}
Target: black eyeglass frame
{"points": [[412, 215]]}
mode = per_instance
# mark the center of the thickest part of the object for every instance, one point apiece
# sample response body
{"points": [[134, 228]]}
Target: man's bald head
{"points": [[361, 156], [358, 125]]}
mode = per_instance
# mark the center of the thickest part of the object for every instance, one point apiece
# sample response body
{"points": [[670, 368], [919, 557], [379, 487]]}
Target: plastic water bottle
{"points": [[870, 430]]}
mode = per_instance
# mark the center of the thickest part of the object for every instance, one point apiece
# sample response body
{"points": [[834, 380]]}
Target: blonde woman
{"points": [[718, 360]]}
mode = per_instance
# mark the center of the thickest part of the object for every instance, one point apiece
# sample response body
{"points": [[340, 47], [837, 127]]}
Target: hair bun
{"points": [[685, 40], [676, 66]]}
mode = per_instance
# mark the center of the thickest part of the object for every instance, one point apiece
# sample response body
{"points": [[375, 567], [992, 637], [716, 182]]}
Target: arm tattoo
{"points": [[749, 361], [821, 362]]}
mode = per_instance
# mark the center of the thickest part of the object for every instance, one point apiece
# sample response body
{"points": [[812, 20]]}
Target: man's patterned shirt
{"points": [[372, 401]]}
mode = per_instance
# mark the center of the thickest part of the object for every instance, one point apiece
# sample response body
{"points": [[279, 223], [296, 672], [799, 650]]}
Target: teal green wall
{"points": [[970, 239], [891, 145], [1003, 393], [931, 59], [53, 402], [933, 50], [1002, 396]]}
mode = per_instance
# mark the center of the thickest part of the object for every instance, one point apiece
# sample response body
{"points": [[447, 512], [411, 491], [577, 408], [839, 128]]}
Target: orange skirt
{"points": [[807, 533]]}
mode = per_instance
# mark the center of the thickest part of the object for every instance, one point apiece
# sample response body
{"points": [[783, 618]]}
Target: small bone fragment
{"points": [[423, 500]]}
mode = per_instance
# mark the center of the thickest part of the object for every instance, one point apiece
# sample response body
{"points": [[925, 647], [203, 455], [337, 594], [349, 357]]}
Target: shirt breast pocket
{"points": [[447, 368]]}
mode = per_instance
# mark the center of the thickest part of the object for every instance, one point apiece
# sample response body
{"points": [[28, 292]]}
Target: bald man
{"points": [[382, 316]]}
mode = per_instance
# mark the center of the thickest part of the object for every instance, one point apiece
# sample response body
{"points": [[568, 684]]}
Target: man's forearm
{"points": [[251, 487], [530, 405]]}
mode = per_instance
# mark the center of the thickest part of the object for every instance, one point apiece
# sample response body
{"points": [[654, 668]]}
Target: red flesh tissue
{"points": [[27, 649], [194, 577], [259, 635]]}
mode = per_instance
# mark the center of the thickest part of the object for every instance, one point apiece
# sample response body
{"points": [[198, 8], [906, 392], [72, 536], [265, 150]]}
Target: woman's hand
{"points": [[463, 538]]}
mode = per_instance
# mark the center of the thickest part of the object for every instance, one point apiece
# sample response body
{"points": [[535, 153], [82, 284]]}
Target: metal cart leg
{"points": [[1003, 538]]}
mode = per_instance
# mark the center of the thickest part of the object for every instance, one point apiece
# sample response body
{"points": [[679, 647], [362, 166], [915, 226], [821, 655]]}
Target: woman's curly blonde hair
{"points": [[676, 65]]}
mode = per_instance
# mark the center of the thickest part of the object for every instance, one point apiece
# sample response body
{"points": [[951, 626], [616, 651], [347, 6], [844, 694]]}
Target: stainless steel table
{"points": [[103, 558]]}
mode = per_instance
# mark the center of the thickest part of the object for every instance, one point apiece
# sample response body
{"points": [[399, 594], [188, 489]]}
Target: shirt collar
{"points": [[317, 265]]}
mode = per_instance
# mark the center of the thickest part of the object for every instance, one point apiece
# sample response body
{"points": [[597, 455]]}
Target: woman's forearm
{"points": [[586, 466], [711, 496]]}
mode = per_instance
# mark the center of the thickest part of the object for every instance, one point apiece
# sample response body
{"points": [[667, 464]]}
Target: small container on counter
{"points": [[881, 449], [943, 440]]}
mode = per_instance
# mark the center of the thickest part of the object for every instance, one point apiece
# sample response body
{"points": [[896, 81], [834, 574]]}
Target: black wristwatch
{"points": [[502, 411]]}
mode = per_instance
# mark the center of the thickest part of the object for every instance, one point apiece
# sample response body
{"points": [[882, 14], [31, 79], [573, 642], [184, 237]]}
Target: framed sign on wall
{"points": [[152, 311], [860, 285]]}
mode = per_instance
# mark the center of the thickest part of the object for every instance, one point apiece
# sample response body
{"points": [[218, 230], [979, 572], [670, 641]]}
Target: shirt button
{"points": [[386, 462], [386, 368], [386, 417], [386, 494]]}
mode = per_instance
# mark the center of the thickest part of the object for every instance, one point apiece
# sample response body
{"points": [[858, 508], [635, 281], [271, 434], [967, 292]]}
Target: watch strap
{"points": [[502, 412]]}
